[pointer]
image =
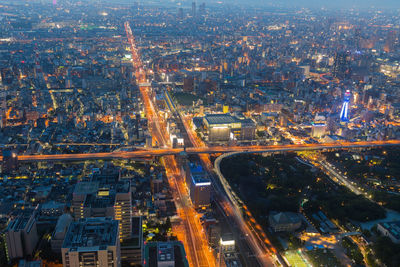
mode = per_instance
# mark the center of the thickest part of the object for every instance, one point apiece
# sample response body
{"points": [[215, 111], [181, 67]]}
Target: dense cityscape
{"points": [[199, 133]]}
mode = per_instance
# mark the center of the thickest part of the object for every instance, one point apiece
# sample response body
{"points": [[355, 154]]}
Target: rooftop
{"points": [[165, 251], [199, 177], [84, 188], [219, 119], [63, 221], [95, 201], [90, 233], [175, 247], [23, 221], [285, 217], [393, 228]]}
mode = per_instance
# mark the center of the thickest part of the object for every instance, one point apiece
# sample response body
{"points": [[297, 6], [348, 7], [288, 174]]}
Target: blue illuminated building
{"points": [[199, 187], [344, 113]]}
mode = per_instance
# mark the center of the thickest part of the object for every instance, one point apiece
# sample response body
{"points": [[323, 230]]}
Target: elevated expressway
{"points": [[156, 152]]}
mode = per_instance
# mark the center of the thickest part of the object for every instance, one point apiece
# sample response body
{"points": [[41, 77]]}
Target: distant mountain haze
{"points": [[340, 4], [300, 3], [319, 3]]}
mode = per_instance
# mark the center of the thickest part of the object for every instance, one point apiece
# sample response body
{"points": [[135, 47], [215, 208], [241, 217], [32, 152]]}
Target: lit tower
{"points": [[344, 113]]}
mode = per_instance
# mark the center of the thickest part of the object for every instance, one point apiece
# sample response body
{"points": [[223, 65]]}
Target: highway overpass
{"points": [[156, 152]]}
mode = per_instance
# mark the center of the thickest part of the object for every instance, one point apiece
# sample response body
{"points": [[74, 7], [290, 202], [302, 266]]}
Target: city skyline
{"points": [[199, 133]]}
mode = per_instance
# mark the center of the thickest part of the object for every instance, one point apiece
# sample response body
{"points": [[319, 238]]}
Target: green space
{"points": [[282, 183], [184, 99], [3, 256], [387, 251], [352, 251], [322, 258], [156, 231], [378, 170], [295, 258]]}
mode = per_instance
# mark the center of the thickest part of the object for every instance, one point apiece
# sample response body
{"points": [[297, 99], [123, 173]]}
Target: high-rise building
{"points": [[193, 9], [82, 189], [137, 124], [180, 13], [390, 42], [227, 251], [21, 236], [10, 161], [164, 254], [58, 236], [357, 39], [342, 65], [318, 130], [188, 84], [102, 198], [213, 235], [156, 183], [123, 209], [344, 113], [199, 187], [92, 242], [202, 8], [132, 249]]}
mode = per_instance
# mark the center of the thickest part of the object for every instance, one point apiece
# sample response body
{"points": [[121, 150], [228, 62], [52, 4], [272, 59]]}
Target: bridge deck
{"points": [[148, 153]]}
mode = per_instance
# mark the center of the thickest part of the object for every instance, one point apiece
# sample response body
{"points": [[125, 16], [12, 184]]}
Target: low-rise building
{"points": [[391, 230], [284, 221], [223, 127]]}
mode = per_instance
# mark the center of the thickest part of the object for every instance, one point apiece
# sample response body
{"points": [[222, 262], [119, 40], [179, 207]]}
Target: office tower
{"points": [[202, 9], [92, 242], [188, 84], [156, 183], [390, 42], [306, 71], [21, 236], [131, 250], [137, 123], [199, 187], [344, 113], [123, 208], [180, 13], [357, 39], [82, 189], [193, 9], [10, 161], [342, 67], [38, 72]]}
